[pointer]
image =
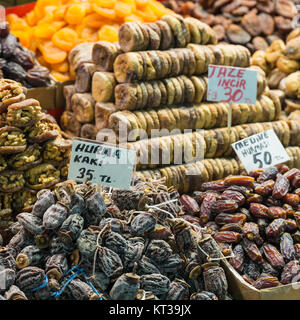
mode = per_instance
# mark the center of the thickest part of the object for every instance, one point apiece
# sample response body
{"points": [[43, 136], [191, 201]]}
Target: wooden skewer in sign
{"points": [[233, 85]]}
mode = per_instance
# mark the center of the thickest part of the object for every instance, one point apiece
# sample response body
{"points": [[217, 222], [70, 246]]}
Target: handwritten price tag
{"points": [[101, 163], [260, 151], [231, 84]]}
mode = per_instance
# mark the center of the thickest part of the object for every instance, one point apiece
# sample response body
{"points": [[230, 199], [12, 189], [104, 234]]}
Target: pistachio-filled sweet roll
{"points": [[45, 129], [42, 177], [10, 92], [11, 181], [24, 113], [12, 140], [26, 159], [58, 151]]}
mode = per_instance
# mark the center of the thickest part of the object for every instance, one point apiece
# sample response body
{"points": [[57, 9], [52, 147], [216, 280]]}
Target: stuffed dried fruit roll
{"points": [[12, 140], [42, 177], [11, 181], [45, 129], [58, 151], [10, 92], [24, 113], [27, 159]]}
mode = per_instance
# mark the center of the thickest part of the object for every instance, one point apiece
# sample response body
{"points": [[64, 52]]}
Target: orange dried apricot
{"points": [[108, 33], [75, 14], [61, 77], [106, 3], [65, 39], [122, 9], [60, 67], [47, 30], [104, 12], [31, 18], [51, 53], [157, 8], [133, 18]]}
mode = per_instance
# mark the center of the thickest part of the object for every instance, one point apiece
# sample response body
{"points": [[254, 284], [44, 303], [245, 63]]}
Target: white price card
{"points": [[231, 84], [260, 151], [101, 163]]}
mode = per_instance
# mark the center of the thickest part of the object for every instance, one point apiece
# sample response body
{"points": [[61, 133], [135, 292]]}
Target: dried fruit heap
{"points": [[258, 216], [53, 28], [156, 78], [18, 63], [76, 246], [280, 61], [249, 22], [33, 153]]}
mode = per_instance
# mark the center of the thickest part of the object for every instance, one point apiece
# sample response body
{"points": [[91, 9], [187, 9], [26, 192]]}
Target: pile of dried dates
{"points": [[33, 153], [258, 217], [78, 243], [18, 63], [254, 23]]}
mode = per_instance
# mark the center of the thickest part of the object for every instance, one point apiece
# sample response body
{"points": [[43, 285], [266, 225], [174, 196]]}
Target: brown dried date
{"points": [[251, 230], [252, 250], [227, 237], [297, 250], [213, 185], [291, 225], [275, 229], [224, 218], [206, 207], [266, 281], [277, 213], [292, 199], [235, 227], [265, 188], [254, 198], [251, 269], [259, 210], [290, 272], [189, 204], [23, 58], [268, 269], [9, 46], [287, 247], [38, 77], [273, 256], [268, 174], [244, 181], [238, 260], [281, 187], [224, 206], [289, 210], [291, 174], [14, 71]]}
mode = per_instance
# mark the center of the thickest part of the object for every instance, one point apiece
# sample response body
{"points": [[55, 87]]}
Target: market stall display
{"points": [[197, 223], [33, 152], [53, 28]]}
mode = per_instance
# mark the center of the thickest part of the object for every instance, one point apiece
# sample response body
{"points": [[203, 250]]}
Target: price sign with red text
{"points": [[231, 84]]}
